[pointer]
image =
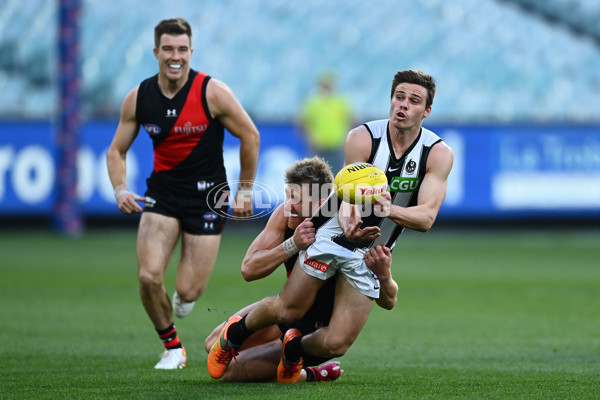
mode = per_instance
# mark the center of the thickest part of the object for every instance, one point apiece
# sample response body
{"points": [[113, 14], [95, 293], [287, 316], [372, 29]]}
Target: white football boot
{"points": [[181, 308], [172, 359]]}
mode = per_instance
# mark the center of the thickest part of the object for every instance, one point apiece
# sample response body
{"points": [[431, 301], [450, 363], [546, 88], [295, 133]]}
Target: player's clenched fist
{"points": [[379, 260], [304, 235]]}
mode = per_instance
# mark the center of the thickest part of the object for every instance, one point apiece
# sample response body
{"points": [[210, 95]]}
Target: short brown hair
{"points": [[310, 171], [173, 26], [418, 78]]}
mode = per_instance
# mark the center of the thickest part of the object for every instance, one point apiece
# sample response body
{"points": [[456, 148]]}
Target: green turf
{"points": [[492, 315]]}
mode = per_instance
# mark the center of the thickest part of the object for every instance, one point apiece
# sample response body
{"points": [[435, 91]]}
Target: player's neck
{"points": [[403, 138], [170, 88]]}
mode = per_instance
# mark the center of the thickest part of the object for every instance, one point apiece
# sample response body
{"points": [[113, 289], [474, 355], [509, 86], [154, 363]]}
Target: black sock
{"points": [[293, 349], [169, 337], [311, 374], [238, 332]]}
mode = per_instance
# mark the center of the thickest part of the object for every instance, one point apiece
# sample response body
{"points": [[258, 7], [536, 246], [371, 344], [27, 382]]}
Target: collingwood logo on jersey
{"points": [[411, 166]]}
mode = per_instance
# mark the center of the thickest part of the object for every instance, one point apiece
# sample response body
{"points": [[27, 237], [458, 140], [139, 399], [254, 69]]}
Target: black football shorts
{"points": [[190, 209]]}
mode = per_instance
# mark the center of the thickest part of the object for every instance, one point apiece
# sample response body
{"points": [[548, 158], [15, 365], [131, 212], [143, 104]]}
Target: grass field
{"points": [[494, 315]]}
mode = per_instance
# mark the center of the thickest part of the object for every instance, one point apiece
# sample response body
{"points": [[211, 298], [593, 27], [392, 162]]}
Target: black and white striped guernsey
{"points": [[404, 174]]}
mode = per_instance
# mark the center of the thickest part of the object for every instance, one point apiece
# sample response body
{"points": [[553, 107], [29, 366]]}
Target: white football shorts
{"points": [[324, 258]]}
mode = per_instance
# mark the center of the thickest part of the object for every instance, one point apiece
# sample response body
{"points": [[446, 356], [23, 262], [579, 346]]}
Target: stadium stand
{"points": [[495, 61]]}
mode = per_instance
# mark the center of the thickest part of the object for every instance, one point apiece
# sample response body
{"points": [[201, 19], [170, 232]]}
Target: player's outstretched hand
{"points": [[126, 200], [352, 227], [304, 235]]}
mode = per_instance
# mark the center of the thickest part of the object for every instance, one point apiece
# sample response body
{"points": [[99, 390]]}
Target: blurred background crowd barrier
{"points": [[518, 91]]}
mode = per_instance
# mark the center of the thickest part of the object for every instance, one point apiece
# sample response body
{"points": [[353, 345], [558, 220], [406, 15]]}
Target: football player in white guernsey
{"points": [[417, 163]]}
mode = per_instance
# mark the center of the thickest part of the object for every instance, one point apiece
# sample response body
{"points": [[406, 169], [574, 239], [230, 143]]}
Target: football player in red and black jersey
{"points": [[185, 113]]}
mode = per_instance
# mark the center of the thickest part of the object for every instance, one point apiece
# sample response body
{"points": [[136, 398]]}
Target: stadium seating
{"points": [[519, 60]]}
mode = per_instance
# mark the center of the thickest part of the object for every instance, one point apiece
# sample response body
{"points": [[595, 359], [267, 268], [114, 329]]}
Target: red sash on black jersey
{"points": [[187, 141]]}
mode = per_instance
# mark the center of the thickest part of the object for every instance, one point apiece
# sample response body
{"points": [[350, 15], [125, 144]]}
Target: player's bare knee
{"points": [[287, 315], [149, 280], [337, 346], [191, 295]]}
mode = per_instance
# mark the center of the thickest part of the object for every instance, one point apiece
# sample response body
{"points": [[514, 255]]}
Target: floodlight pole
{"points": [[67, 214]]}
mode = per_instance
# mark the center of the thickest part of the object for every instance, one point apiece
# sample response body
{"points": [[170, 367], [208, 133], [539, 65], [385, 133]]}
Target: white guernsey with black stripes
{"points": [[332, 251]]}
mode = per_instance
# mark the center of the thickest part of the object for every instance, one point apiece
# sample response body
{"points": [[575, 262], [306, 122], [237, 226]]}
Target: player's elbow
{"points": [[423, 228], [251, 142], [249, 276], [426, 224], [114, 154], [248, 273], [112, 158]]}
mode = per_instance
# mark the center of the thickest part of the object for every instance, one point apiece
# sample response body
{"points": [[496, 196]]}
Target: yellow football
{"points": [[360, 183]]}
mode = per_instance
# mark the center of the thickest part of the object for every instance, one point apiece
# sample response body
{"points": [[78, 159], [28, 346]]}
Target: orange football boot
{"points": [[289, 371], [222, 351]]}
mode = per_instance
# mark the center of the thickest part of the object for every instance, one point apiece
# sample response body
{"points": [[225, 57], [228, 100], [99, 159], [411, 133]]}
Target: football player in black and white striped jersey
{"points": [[417, 163]]}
